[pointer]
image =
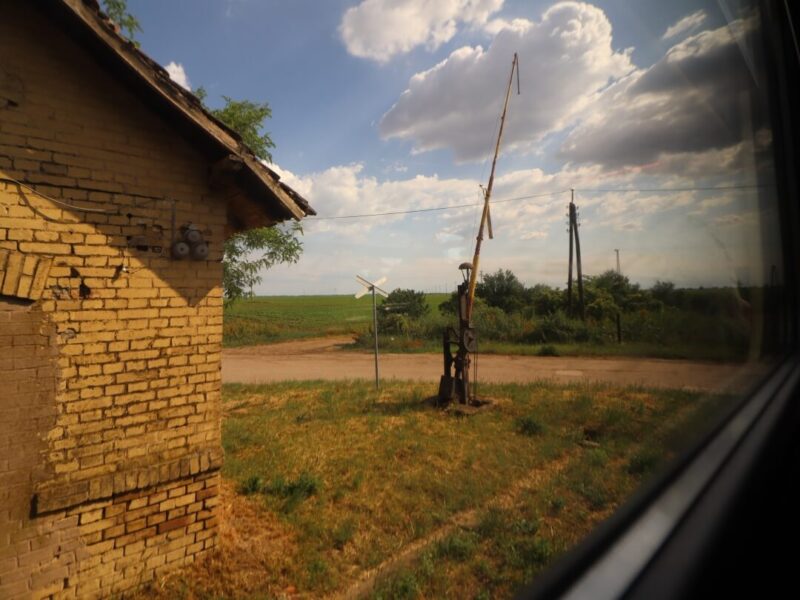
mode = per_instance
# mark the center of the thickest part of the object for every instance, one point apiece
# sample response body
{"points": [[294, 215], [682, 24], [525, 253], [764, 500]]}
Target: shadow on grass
{"points": [[394, 409]]}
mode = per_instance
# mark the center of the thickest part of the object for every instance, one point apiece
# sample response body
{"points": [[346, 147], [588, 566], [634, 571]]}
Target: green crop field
{"points": [[669, 333], [323, 483], [269, 319]]}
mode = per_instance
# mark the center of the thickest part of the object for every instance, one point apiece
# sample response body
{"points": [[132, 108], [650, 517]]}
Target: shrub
{"points": [[492, 323], [406, 302], [502, 290], [343, 533], [529, 426], [251, 485], [457, 546], [294, 492], [547, 350]]}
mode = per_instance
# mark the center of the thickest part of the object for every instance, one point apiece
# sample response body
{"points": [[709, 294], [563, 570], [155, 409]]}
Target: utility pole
{"points": [[573, 217], [619, 317], [569, 271]]}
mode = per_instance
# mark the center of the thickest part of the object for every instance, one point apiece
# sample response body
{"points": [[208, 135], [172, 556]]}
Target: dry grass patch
{"points": [[329, 482]]}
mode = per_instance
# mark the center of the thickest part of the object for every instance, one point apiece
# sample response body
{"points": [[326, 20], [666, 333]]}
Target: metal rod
{"points": [[375, 329], [487, 195]]}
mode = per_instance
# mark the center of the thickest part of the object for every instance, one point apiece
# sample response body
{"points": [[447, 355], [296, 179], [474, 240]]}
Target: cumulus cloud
{"points": [[685, 25], [690, 101], [381, 29], [345, 190], [664, 235], [178, 74], [710, 203], [565, 58], [736, 219]]}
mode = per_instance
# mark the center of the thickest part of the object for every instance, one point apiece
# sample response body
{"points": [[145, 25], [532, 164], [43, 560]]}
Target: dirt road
{"points": [[324, 359]]}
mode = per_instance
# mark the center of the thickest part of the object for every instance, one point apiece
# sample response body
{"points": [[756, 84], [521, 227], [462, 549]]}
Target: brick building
{"points": [[110, 331]]}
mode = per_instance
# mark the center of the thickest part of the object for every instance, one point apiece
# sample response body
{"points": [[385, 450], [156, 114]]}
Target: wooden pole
{"points": [[569, 270], [578, 262], [485, 215]]}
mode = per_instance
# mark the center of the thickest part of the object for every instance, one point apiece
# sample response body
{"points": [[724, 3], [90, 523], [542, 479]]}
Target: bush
{"points": [[457, 546], [529, 426], [400, 309], [544, 300], [492, 323], [251, 485], [294, 492], [558, 328], [502, 290]]}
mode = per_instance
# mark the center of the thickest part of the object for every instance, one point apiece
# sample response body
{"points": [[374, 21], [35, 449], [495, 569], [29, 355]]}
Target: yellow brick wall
{"points": [[134, 337]]}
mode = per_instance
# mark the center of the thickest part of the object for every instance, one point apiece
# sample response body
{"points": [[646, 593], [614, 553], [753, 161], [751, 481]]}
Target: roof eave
{"points": [[188, 106]]}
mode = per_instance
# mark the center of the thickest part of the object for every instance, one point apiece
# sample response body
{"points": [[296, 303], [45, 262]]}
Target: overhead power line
{"points": [[437, 208], [531, 196], [670, 190]]}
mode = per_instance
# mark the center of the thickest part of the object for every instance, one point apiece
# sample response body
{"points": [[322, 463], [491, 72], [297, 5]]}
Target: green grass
{"points": [[719, 352], [350, 476], [269, 319]]}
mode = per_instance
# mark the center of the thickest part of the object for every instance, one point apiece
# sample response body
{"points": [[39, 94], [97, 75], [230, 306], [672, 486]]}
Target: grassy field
{"points": [[718, 352], [268, 319], [326, 482]]}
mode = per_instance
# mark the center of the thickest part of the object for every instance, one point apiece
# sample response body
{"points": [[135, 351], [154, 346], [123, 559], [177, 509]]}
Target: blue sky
{"points": [[383, 105]]}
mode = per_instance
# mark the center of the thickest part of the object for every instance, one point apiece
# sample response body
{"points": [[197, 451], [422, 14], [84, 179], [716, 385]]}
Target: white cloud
{"points": [[660, 234], [731, 219], [687, 103], [685, 25], [345, 190], [381, 29], [178, 74], [534, 235], [565, 58], [707, 204]]}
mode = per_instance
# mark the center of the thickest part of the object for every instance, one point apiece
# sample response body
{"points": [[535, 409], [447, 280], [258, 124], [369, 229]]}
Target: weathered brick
{"points": [[132, 346]]}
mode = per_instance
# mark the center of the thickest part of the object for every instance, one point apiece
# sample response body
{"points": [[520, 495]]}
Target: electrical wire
{"points": [[101, 211], [670, 190], [437, 208], [542, 195]]}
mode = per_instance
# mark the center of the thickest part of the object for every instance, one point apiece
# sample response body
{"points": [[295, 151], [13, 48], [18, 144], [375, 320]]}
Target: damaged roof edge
{"points": [[186, 103]]}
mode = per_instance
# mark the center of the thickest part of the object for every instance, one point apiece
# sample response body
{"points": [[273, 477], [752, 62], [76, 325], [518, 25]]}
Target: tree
{"points": [[664, 291], [544, 299], [241, 262], [246, 118], [117, 11], [406, 302], [241, 271], [624, 294], [503, 290], [248, 253]]}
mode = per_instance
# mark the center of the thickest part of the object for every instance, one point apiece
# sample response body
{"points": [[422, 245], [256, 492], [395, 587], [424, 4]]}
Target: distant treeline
{"points": [[508, 311]]}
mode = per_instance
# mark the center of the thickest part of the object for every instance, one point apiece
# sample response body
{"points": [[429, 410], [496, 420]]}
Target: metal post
{"points": [[375, 329], [618, 269]]}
